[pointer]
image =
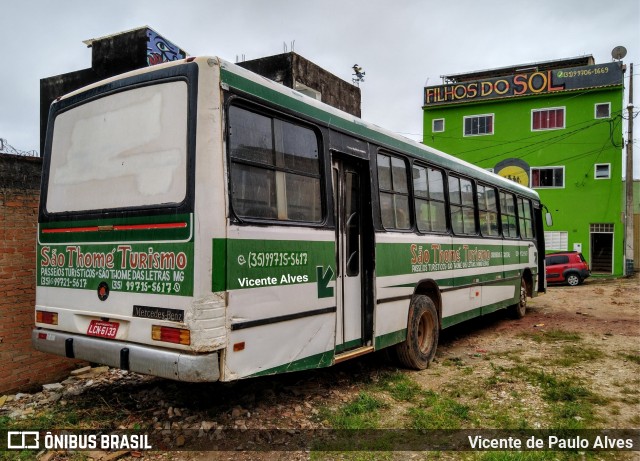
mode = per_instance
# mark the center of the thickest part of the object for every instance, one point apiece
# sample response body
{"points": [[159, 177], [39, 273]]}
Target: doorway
{"points": [[354, 231], [601, 248]]}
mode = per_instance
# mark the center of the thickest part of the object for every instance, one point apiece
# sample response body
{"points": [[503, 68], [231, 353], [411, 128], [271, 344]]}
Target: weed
{"points": [[438, 412], [453, 362], [361, 413], [552, 336], [635, 358], [400, 386], [572, 355], [572, 403], [527, 456]]}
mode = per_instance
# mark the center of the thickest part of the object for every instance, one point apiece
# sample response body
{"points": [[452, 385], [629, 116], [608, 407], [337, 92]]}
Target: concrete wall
{"points": [[21, 367], [291, 68]]}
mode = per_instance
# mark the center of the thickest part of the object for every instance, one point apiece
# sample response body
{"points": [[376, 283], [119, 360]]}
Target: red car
{"points": [[568, 267]]}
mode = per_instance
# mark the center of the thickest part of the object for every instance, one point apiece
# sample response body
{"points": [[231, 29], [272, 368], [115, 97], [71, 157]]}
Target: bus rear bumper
{"points": [[139, 358]]}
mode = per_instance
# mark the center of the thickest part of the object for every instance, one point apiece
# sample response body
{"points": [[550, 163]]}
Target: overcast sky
{"points": [[401, 44]]}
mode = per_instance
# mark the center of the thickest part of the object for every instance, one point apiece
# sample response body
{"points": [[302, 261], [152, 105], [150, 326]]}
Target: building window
{"points": [[602, 171], [601, 227], [437, 125], [547, 177], [463, 219], [394, 192], [603, 110], [428, 190], [478, 125], [547, 119], [556, 240]]}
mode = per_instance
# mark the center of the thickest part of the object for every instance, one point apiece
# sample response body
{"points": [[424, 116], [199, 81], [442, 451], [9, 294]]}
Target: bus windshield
{"points": [[121, 151]]}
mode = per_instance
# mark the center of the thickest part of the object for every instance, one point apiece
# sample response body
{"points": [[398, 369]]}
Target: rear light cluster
{"points": [[50, 318], [171, 335]]}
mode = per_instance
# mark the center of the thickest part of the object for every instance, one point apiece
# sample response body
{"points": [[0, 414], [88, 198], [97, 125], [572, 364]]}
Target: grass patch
{"points": [[635, 358], [552, 336], [572, 355], [435, 411], [400, 386], [529, 456], [572, 404], [361, 413], [453, 362]]}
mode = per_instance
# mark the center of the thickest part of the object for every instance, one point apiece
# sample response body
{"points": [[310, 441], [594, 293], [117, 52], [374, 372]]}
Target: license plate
{"points": [[103, 329]]}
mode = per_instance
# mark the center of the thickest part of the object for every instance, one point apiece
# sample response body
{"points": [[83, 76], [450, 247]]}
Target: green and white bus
{"points": [[200, 223]]}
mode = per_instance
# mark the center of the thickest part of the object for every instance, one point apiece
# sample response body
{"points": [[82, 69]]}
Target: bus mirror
{"points": [[549, 219]]}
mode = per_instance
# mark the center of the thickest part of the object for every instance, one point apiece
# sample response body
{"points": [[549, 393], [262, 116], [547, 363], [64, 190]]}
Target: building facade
{"points": [[555, 126], [294, 71]]}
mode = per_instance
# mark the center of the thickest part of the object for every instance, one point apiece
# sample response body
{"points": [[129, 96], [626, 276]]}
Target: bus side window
{"points": [[394, 192], [428, 190], [488, 211], [526, 223], [508, 215], [275, 168], [462, 206]]}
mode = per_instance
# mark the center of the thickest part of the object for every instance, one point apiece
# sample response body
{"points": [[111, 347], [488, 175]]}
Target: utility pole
{"points": [[629, 183]]}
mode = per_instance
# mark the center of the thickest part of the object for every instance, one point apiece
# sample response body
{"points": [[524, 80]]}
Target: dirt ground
{"points": [[589, 334], [603, 313]]}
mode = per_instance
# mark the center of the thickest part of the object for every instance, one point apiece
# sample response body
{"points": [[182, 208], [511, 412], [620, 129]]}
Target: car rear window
{"points": [[555, 260]]}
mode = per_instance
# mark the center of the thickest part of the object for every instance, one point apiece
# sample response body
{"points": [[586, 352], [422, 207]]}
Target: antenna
{"points": [[359, 75], [618, 53], [284, 45]]}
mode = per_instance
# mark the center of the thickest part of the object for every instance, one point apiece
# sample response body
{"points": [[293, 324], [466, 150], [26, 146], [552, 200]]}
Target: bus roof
{"points": [[269, 91], [247, 81]]}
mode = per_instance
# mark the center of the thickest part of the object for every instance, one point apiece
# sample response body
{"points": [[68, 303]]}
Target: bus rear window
{"points": [[127, 149]]}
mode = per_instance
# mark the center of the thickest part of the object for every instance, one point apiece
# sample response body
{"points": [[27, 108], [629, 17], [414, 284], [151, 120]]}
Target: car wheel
{"points": [[573, 280]]}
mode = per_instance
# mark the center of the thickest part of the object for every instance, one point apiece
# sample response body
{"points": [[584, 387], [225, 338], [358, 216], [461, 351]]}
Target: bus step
{"points": [[352, 354]]}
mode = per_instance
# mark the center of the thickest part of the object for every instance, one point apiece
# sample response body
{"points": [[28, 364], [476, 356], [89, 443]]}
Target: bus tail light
{"points": [[50, 318], [171, 335]]}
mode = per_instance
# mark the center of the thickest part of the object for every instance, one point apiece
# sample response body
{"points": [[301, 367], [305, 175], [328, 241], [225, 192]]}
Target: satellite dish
{"points": [[618, 52]]}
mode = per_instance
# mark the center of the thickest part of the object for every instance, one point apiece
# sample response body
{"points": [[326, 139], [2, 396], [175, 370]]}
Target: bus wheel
{"points": [[518, 310], [422, 334]]}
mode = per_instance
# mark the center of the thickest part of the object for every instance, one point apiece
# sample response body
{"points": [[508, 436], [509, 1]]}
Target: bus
{"points": [[199, 222]]}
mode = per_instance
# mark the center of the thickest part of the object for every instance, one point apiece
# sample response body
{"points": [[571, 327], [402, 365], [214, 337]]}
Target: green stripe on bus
{"points": [[219, 262], [152, 268], [348, 345], [389, 339], [461, 317], [322, 360], [138, 229], [477, 312], [250, 263], [409, 258]]}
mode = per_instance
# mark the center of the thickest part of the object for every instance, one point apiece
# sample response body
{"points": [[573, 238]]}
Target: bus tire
{"points": [[418, 350], [519, 310]]}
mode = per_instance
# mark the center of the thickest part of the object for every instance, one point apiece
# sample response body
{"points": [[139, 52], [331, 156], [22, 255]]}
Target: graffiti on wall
{"points": [[159, 49]]}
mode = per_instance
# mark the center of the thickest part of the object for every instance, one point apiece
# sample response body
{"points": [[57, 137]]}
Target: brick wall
{"points": [[21, 367]]}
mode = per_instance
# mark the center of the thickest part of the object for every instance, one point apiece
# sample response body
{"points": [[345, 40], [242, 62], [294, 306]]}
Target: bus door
{"points": [[351, 192]]}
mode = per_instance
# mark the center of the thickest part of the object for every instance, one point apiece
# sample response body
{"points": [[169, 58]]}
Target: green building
{"points": [[555, 126]]}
